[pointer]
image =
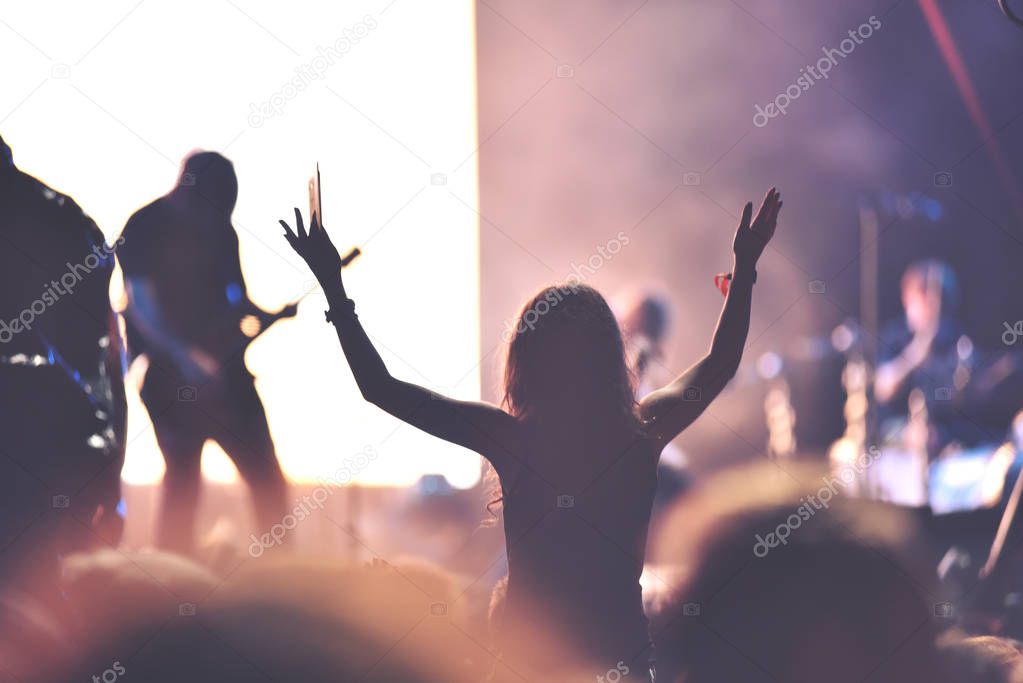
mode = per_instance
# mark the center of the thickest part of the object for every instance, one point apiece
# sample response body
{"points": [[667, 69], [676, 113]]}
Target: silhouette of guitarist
{"points": [[186, 305]]}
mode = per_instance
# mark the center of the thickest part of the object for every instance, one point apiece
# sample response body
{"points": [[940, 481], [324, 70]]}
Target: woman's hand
{"points": [[315, 248], [750, 240]]}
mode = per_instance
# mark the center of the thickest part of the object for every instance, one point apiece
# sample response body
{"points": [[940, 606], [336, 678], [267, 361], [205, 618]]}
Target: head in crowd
{"points": [[929, 291], [567, 359], [982, 659], [789, 579], [157, 617], [207, 180]]}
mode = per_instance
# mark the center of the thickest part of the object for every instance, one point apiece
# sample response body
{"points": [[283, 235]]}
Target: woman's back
{"points": [[576, 513]]}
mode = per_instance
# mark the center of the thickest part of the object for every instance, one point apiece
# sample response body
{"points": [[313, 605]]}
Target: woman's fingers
{"points": [[768, 213], [747, 213], [292, 239], [772, 214], [299, 226], [772, 223], [766, 207]]}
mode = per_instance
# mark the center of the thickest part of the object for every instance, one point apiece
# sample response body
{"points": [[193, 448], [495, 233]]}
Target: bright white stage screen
{"points": [[102, 101]]}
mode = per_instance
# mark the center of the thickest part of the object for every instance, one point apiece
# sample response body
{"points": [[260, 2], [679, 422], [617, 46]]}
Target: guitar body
{"points": [[226, 342]]}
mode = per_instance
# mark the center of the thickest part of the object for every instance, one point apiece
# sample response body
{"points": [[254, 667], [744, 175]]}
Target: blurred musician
{"points": [[927, 356], [941, 403], [62, 405], [645, 317], [187, 303]]}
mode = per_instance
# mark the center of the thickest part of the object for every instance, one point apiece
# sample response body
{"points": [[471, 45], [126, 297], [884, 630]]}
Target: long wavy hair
{"points": [[566, 360]]}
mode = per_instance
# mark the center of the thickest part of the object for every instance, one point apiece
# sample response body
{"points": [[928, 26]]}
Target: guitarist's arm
{"points": [[237, 292], [144, 311]]}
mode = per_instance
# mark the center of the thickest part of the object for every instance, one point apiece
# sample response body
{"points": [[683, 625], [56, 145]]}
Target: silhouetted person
{"points": [[645, 319], [186, 301], [62, 406], [575, 456], [789, 579]]}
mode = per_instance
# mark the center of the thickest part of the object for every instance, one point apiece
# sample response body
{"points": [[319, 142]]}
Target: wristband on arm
{"points": [[723, 280], [343, 309]]}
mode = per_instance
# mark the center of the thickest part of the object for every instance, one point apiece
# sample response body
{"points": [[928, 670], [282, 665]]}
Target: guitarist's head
{"points": [[208, 179], [6, 158]]}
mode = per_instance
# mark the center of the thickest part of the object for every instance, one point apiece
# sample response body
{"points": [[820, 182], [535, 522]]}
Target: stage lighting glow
{"points": [[104, 103]]}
